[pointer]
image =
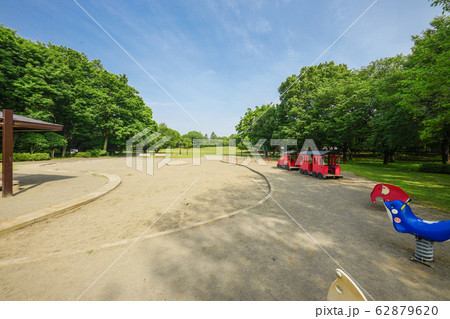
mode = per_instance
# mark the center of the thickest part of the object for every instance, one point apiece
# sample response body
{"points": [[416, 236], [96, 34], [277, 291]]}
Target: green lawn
{"points": [[430, 190], [175, 152]]}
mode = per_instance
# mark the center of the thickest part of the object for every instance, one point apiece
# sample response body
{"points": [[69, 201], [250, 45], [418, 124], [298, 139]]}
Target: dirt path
{"points": [[125, 213], [45, 184], [260, 254]]}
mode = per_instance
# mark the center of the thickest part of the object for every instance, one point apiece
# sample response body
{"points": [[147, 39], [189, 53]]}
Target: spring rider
{"points": [[404, 221]]}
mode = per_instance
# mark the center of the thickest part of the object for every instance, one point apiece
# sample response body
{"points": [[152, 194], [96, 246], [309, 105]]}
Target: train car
{"points": [[313, 163], [288, 161], [304, 161]]}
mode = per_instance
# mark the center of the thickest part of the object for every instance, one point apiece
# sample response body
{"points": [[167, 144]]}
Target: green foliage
{"points": [[444, 3], [190, 137], [83, 154], [427, 82], [434, 168], [32, 141], [27, 157], [391, 105], [95, 153], [55, 140], [174, 136], [98, 109]]}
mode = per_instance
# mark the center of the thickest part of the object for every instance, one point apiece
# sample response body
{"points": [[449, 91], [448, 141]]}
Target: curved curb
{"points": [[149, 236], [42, 214]]}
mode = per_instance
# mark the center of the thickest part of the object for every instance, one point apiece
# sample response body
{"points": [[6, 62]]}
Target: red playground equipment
{"points": [[313, 163], [288, 161]]}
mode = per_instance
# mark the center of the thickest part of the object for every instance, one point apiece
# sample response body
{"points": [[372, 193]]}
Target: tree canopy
{"points": [[393, 104], [57, 84]]}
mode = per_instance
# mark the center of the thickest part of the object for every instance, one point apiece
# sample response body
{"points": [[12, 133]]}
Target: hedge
{"points": [[92, 153], [28, 157], [435, 168]]}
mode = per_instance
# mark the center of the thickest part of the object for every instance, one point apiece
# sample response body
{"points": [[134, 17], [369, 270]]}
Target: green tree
{"points": [[393, 126], [257, 124], [319, 104], [54, 141], [174, 136], [98, 109], [427, 83], [191, 136], [32, 141]]}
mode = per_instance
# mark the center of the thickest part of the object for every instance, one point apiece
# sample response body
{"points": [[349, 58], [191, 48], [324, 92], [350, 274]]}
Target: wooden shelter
{"points": [[9, 124]]}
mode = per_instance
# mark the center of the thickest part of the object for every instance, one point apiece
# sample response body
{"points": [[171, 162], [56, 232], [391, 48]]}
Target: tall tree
{"points": [[174, 136], [427, 83], [393, 126], [32, 141], [191, 136], [54, 141]]}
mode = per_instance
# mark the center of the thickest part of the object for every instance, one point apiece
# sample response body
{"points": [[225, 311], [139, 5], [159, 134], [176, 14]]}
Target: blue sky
{"points": [[215, 57]]}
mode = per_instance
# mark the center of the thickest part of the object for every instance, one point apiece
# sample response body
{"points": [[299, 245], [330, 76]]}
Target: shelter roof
{"points": [[23, 123]]}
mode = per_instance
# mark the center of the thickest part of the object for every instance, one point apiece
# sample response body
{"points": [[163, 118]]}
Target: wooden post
{"points": [[7, 158]]}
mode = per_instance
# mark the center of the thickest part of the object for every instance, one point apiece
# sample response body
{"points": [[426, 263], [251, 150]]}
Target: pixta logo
{"points": [[145, 145], [145, 140]]}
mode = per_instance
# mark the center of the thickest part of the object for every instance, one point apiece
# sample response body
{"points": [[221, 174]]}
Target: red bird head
{"points": [[388, 193]]}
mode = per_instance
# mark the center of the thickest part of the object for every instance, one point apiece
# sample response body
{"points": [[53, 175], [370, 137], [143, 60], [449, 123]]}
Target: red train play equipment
{"points": [[313, 163], [288, 161]]}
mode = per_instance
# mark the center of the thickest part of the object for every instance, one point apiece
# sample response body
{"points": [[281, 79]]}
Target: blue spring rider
{"points": [[404, 221]]}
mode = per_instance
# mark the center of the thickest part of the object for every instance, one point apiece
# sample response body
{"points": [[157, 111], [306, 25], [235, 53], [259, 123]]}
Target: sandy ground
{"points": [[125, 213], [260, 254], [45, 184]]}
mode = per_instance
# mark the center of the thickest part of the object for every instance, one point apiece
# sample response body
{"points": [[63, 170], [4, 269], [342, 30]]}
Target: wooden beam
{"points": [[7, 155], [36, 126]]}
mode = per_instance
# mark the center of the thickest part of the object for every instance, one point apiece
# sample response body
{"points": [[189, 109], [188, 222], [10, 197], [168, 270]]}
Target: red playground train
{"points": [[312, 163], [288, 161]]}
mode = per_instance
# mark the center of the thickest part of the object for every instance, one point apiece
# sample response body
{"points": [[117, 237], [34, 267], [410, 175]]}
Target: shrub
{"points": [[22, 157], [92, 153], [27, 157], [40, 156], [435, 168], [83, 154]]}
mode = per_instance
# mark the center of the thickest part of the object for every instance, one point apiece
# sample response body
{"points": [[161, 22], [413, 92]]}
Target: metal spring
{"points": [[424, 249]]}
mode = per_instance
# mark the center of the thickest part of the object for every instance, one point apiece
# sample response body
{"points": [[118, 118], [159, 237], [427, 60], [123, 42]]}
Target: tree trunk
{"points": [[105, 145], [445, 151], [53, 152], [386, 157], [391, 157], [344, 153], [63, 154]]}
